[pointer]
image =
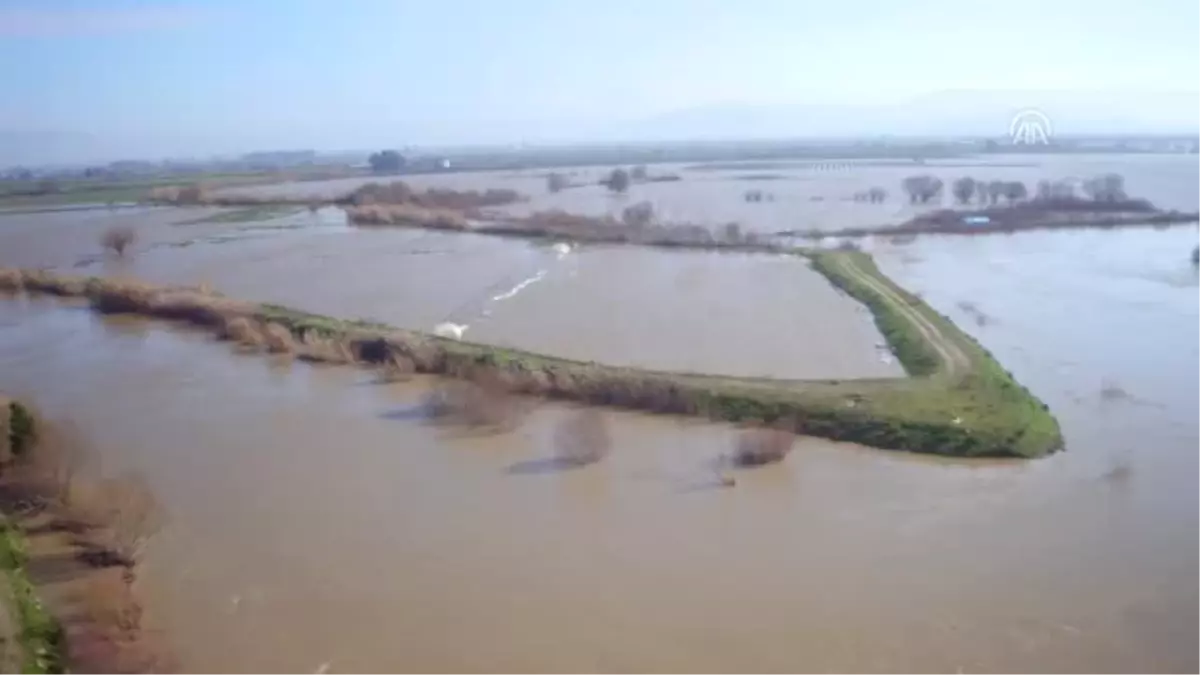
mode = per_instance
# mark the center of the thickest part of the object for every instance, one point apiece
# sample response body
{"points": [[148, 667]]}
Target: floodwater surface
{"points": [[803, 194], [687, 311], [318, 523]]}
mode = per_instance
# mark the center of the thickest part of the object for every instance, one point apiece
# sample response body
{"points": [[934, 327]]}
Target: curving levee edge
{"points": [[37, 634], [958, 402]]}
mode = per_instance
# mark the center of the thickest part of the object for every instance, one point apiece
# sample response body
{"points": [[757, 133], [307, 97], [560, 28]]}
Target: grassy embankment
{"points": [[959, 401], [26, 625]]}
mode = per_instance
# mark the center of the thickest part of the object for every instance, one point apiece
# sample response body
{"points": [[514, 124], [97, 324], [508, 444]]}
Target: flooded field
{"points": [[738, 314], [797, 195], [351, 535]]}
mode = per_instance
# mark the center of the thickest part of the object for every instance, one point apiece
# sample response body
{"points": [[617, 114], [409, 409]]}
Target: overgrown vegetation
{"points": [[39, 635], [107, 523], [972, 408]]}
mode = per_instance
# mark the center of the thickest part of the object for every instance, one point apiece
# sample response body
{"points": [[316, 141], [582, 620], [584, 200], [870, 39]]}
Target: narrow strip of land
{"points": [[957, 400], [953, 358]]}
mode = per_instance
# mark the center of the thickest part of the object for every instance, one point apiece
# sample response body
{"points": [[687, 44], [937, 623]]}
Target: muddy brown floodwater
{"points": [[735, 314], [318, 523]]}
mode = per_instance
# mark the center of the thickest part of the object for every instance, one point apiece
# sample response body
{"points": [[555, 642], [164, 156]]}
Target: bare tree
{"points": [[638, 173], [922, 189], [617, 181], [1109, 187], [732, 233], [964, 189], [638, 215], [1015, 191], [995, 189], [556, 182], [117, 239]]}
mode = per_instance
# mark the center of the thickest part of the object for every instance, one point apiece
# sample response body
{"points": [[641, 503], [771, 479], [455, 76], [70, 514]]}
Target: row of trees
{"points": [[386, 161], [1106, 188]]}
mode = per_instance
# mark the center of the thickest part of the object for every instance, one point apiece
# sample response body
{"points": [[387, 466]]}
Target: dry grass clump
{"points": [[407, 214], [118, 239], [756, 447], [582, 438], [278, 339], [399, 192], [242, 331], [317, 347]]}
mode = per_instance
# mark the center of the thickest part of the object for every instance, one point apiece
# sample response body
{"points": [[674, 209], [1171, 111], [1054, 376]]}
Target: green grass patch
{"points": [[39, 634]]}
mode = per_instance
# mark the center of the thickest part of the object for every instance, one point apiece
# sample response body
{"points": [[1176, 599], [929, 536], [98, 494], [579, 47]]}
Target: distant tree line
{"points": [[1104, 189], [386, 161]]}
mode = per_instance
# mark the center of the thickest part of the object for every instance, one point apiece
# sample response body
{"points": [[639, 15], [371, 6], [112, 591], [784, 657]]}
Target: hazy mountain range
{"points": [[943, 114]]}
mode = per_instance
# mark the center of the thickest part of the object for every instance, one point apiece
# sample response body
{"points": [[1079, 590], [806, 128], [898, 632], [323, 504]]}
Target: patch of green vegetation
{"points": [[20, 429], [249, 214], [914, 352], [39, 634]]}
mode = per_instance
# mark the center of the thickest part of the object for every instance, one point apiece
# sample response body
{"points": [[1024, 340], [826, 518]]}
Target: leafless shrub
{"points": [[582, 438], [118, 239], [762, 446], [617, 181], [556, 182], [407, 214], [243, 331], [638, 215]]}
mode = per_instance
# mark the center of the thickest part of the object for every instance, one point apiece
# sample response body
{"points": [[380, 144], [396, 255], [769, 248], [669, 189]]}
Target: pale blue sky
{"points": [[222, 76]]}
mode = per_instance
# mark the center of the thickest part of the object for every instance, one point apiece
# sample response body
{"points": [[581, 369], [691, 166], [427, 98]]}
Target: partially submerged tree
{"points": [[995, 190], [922, 189], [762, 446], [118, 239], [556, 182], [964, 189], [617, 181], [1109, 187], [638, 215], [1015, 191], [386, 161]]}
